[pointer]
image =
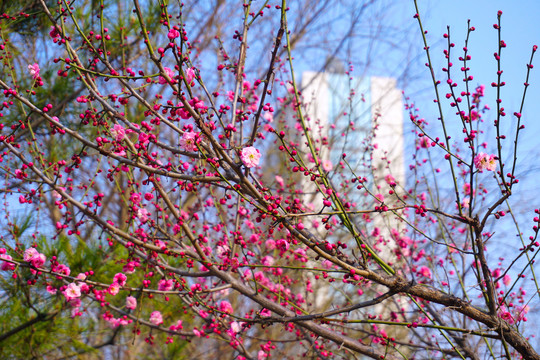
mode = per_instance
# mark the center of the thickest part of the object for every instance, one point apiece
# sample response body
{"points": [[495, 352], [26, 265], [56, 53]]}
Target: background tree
{"points": [[143, 143]]}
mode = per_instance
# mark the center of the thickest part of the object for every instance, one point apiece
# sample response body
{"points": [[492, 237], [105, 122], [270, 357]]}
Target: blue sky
{"points": [[520, 31]]}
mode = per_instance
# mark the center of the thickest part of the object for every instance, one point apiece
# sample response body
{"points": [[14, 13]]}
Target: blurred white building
{"points": [[363, 118], [336, 103]]}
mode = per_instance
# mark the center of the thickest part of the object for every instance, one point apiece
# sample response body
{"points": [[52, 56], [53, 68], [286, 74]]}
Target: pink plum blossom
{"points": [[135, 198], [390, 180], [183, 113], [267, 261], [226, 307], [176, 327], [483, 161], [62, 269], [54, 33], [156, 318], [173, 34], [118, 132], [143, 138], [34, 70], [142, 214], [84, 287], [6, 266], [114, 288], [236, 326], [222, 251], [197, 104], [72, 291], [34, 257], [190, 75], [188, 141], [169, 73], [250, 156], [131, 302], [120, 279], [282, 244], [327, 165], [425, 272], [81, 276], [165, 285], [29, 254]]}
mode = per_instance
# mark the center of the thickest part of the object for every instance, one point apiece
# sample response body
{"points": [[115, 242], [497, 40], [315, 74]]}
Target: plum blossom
{"points": [[118, 132], [143, 214], [173, 34], [131, 302], [282, 244], [226, 307], [72, 291], [424, 142], [6, 266], [81, 276], [165, 285], [268, 117], [267, 261], [390, 180], [120, 279], [143, 138], [270, 244], [222, 251], [250, 156], [156, 318], [183, 113], [197, 104], [74, 302], [425, 272], [29, 254], [129, 268], [84, 287], [505, 315], [327, 165], [34, 257], [34, 70], [136, 198], [188, 141], [176, 327], [327, 264], [114, 288], [54, 33], [236, 327], [62, 269], [483, 161], [190, 75], [169, 73]]}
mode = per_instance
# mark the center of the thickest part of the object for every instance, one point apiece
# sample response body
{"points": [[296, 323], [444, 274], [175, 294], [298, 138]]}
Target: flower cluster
{"points": [[250, 156], [483, 161]]}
